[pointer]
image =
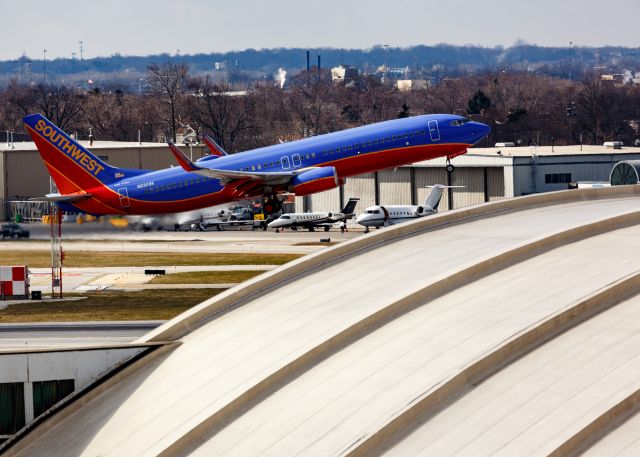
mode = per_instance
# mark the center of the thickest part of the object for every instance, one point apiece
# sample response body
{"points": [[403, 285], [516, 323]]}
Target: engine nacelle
{"points": [[316, 180]]}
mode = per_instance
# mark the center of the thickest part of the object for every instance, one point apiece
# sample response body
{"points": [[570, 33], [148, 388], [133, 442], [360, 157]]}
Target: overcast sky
{"points": [[142, 27]]}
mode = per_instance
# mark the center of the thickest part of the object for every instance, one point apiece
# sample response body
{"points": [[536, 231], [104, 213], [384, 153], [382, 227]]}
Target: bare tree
{"points": [[168, 83], [220, 111]]}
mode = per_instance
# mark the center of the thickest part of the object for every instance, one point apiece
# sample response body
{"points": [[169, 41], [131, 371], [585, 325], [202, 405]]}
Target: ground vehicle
{"points": [[13, 230]]}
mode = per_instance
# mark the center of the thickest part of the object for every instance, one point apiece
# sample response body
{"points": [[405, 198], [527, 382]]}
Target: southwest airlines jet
{"points": [[300, 167]]}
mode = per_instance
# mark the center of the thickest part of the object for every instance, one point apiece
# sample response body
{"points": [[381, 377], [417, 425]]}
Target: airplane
{"points": [[218, 217], [198, 219], [378, 216], [301, 167], [312, 220]]}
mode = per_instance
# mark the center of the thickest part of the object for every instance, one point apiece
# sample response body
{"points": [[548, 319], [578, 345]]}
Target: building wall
{"points": [[591, 167], [395, 186], [83, 366]]}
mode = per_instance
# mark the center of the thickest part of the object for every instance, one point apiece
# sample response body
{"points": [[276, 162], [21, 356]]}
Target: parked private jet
{"points": [[312, 220], [300, 167], [378, 216]]}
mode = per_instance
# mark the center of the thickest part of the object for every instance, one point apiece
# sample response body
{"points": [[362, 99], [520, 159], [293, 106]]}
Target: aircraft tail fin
{"points": [[433, 199], [350, 206], [73, 168]]}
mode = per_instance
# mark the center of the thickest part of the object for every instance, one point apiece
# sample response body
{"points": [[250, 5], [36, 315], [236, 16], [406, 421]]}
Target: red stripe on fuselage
{"points": [[374, 161]]}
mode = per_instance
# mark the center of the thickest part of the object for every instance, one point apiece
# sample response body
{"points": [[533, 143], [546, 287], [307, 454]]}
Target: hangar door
{"points": [[395, 186], [428, 177], [362, 187]]}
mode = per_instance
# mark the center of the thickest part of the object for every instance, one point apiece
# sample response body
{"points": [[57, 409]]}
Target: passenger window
{"points": [[313, 155], [278, 163], [307, 157], [349, 147], [393, 138], [344, 148], [388, 140], [197, 180], [404, 136], [264, 165], [253, 168], [375, 141], [259, 167]]}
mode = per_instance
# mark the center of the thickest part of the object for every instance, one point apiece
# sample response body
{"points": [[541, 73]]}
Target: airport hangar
{"points": [[506, 328], [487, 174]]}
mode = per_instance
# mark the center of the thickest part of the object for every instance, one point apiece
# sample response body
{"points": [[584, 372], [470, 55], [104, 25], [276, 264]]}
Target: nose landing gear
{"points": [[449, 166]]}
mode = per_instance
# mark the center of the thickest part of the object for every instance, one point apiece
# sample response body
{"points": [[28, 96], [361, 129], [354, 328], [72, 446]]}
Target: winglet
{"points": [[183, 160], [214, 147]]}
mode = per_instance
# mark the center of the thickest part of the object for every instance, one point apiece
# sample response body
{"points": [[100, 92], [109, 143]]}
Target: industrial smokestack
{"points": [[318, 63], [308, 64]]}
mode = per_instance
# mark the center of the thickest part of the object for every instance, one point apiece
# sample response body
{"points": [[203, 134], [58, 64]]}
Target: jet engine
{"points": [[315, 180]]}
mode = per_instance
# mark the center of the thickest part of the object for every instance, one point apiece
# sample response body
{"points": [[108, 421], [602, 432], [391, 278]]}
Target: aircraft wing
{"points": [[226, 176], [59, 198]]}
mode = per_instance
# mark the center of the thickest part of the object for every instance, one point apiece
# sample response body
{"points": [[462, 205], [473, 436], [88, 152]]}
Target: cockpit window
{"points": [[285, 217], [459, 122]]}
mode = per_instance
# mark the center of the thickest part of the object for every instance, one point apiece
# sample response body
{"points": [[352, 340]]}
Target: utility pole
{"points": [[571, 112], [81, 43], [386, 49], [44, 67]]}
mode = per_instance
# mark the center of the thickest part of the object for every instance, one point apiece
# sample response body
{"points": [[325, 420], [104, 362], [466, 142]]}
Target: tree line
{"points": [[521, 107]]}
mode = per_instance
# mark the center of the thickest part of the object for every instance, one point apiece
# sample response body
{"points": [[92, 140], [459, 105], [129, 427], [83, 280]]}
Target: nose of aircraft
{"points": [[479, 131]]}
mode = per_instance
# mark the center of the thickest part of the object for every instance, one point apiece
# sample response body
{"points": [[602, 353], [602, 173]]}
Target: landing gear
{"points": [[449, 166], [271, 205]]}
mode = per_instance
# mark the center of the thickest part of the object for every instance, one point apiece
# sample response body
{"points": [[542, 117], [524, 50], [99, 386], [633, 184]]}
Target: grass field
{"points": [[38, 259], [205, 277], [109, 305]]}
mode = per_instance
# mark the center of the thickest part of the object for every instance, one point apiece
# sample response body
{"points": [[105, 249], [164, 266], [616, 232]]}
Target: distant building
{"points": [[220, 66], [407, 85], [344, 73], [615, 79], [395, 72]]}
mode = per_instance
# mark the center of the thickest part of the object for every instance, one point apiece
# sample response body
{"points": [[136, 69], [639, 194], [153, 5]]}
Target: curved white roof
{"points": [[459, 334]]}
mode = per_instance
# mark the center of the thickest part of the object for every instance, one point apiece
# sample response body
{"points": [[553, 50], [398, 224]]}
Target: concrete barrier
{"points": [[209, 309]]}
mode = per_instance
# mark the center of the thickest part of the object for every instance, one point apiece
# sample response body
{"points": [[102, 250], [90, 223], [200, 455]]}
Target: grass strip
{"points": [[205, 277], [109, 305], [40, 259]]}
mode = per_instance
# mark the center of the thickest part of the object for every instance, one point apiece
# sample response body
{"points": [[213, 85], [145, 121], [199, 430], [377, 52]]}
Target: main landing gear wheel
{"points": [[271, 205], [449, 166]]}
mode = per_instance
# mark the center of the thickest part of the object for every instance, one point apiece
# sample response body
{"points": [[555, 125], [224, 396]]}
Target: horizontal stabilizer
{"points": [[214, 147], [59, 198], [183, 160]]}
